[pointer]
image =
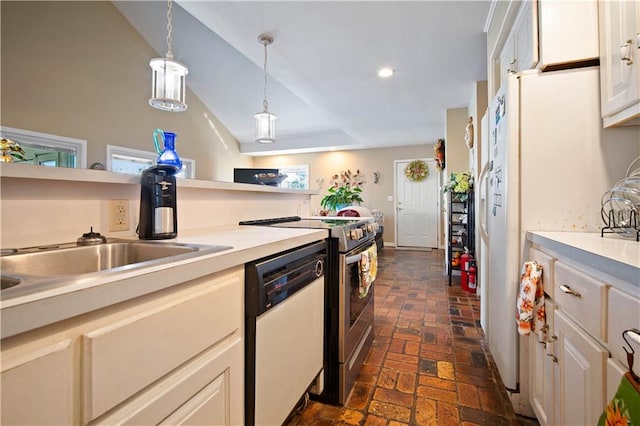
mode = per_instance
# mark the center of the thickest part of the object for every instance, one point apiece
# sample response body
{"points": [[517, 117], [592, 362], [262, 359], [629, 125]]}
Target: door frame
{"points": [[432, 171]]}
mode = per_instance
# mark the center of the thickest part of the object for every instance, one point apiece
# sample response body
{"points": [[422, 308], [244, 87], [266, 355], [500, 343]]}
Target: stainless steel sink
{"points": [[8, 282], [61, 263]]}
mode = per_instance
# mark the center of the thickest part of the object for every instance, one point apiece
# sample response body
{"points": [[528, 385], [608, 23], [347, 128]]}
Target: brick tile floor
{"points": [[429, 364]]}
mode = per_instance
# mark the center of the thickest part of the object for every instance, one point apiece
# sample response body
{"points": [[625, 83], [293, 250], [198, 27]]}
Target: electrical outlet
{"points": [[118, 215]]}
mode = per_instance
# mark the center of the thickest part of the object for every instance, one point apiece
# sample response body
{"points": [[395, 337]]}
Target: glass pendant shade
{"points": [[168, 85], [265, 127]]}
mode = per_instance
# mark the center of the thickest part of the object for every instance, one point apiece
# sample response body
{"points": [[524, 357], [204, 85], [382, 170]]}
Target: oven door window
{"points": [[357, 302]]}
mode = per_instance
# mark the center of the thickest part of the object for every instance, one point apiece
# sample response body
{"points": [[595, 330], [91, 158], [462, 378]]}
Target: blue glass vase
{"points": [[168, 155]]}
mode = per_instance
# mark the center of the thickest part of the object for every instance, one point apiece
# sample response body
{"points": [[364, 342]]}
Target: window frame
{"points": [[189, 165], [30, 138]]}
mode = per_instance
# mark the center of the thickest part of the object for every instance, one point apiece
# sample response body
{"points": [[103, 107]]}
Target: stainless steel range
{"points": [[348, 312]]}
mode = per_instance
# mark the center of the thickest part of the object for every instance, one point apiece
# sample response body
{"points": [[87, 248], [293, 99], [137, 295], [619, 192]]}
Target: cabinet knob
{"points": [[568, 290], [625, 52], [553, 357]]}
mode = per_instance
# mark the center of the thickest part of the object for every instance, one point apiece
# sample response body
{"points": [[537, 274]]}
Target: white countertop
{"points": [[248, 243], [612, 254]]}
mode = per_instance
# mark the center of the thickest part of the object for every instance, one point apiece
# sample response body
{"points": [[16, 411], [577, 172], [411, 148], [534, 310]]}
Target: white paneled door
{"points": [[416, 208]]}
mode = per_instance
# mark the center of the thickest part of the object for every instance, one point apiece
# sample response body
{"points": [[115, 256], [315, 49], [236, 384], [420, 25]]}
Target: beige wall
{"points": [[457, 152], [367, 161], [477, 107], [79, 69]]}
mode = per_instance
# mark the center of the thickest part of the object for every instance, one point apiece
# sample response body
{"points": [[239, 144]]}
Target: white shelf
{"points": [[28, 171]]}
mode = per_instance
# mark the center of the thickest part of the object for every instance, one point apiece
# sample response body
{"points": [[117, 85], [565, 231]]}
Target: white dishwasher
{"points": [[284, 331]]}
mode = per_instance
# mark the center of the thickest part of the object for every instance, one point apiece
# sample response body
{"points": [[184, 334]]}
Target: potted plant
{"points": [[460, 184], [344, 191], [10, 149]]}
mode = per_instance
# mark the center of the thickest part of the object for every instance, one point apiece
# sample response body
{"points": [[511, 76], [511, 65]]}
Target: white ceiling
{"points": [[323, 64]]}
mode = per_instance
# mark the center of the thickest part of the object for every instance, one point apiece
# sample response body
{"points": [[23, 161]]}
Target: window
{"points": [[297, 176], [134, 161], [48, 150]]}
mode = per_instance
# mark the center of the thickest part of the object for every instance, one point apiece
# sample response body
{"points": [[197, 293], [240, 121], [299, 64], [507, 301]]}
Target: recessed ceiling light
{"points": [[386, 72]]}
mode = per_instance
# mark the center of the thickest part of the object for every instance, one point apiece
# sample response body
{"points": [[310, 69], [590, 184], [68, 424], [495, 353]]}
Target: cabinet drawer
{"points": [[124, 357], [207, 407], [624, 313], [210, 385], [582, 297], [548, 263]]}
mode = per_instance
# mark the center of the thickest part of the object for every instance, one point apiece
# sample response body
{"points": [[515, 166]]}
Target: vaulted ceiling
{"points": [[322, 66]]}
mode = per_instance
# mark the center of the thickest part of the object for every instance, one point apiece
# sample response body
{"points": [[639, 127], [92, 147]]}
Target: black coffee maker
{"points": [[158, 213]]}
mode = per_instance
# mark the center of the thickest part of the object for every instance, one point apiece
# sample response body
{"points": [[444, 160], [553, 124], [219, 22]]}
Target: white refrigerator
{"points": [[549, 162]]}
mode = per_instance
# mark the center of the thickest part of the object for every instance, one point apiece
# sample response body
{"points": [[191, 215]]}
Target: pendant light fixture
{"points": [[168, 84], [265, 121]]}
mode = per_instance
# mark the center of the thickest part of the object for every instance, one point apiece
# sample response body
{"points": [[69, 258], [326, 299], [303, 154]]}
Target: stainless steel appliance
{"points": [[355, 318], [158, 212], [348, 318], [284, 331]]}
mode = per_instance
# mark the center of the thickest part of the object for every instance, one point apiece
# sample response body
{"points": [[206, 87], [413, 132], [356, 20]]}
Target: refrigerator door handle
{"points": [[483, 208]]}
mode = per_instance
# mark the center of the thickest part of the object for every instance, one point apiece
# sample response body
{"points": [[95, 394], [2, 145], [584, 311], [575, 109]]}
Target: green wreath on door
{"points": [[416, 171]]}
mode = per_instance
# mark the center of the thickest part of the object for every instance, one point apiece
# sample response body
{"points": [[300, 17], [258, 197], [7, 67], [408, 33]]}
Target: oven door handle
{"points": [[353, 259]]}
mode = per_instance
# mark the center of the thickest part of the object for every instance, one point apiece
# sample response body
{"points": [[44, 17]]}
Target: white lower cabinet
{"points": [[36, 385], [207, 407], [204, 392], [576, 366], [175, 357], [581, 363], [541, 368]]}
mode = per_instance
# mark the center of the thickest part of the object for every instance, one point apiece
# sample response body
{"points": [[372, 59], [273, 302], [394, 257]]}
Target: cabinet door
{"points": [[36, 386], [507, 61], [621, 307], [208, 407], [581, 363], [619, 29], [568, 31], [525, 37], [209, 386], [541, 366], [122, 358]]}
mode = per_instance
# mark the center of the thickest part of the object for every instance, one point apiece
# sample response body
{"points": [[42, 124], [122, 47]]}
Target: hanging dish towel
{"points": [[624, 408], [368, 269], [530, 314]]}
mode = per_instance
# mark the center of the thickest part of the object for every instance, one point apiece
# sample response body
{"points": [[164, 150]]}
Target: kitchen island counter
{"points": [[247, 243]]}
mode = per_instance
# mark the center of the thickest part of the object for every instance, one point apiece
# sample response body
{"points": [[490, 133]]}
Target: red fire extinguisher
{"points": [[464, 270], [472, 276]]}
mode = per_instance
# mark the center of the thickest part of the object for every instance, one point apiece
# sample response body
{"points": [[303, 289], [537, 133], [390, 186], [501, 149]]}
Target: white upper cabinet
{"points": [[525, 37], [520, 49], [568, 33], [619, 62]]}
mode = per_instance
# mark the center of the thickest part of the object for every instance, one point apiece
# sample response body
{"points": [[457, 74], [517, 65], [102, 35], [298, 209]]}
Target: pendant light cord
{"points": [[264, 102], [169, 28]]}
